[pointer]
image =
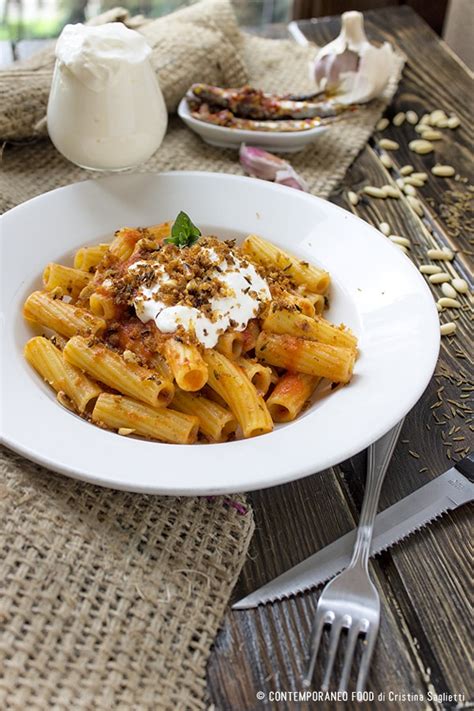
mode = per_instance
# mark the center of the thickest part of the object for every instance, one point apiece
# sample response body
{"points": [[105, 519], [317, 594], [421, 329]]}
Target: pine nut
{"points": [[447, 329], [447, 303], [416, 205], [421, 128], [429, 269], [448, 290], [420, 176], [403, 249], [412, 117], [374, 192], [388, 145], [436, 116], [443, 171], [353, 197], [460, 285], [416, 182], [442, 254], [425, 120], [442, 123], [453, 122], [384, 228], [438, 307], [391, 191], [420, 146], [431, 135], [400, 182], [382, 124], [440, 278], [403, 241], [399, 118], [406, 170], [409, 190], [386, 161]]}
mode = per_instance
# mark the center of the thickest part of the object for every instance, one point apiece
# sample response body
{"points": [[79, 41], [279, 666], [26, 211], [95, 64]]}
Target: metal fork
{"points": [[350, 601]]}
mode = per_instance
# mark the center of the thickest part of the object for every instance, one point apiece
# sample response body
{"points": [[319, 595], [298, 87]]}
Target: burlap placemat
{"points": [[109, 600], [112, 600]]}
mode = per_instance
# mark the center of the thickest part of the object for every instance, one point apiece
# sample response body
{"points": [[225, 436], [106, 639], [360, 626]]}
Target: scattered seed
{"points": [[413, 454], [403, 241], [431, 135], [429, 269], [415, 182], [388, 145], [420, 176], [412, 117], [423, 469], [399, 118], [442, 123], [409, 190], [382, 124], [460, 285], [425, 120], [416, 205], [421, 128], [391, 191], [458, 439], [448, 303], [443, 171], [384, 228], [400, 182], [402, 248], [442, 254], [453, 122], [374, 192], [448, 290], [406, 169], [439, 278], [420, 146], [386, 161], [353, 197], [125, 431], [439, 308], [435, 116]]}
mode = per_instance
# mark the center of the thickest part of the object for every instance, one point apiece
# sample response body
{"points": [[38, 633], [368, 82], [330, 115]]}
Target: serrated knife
{"points": [[445, 493]]}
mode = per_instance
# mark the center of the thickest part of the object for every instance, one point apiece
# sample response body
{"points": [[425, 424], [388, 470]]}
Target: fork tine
{"points": [[366, 657], [334, 641], [315, 641], [352, 637]]}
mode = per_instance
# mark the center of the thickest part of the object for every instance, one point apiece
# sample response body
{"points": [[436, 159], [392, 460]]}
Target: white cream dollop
{"points": [[95, 54], [247, 291]]}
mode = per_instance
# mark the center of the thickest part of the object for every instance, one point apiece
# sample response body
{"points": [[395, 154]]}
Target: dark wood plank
{"points": [[422, 581]]}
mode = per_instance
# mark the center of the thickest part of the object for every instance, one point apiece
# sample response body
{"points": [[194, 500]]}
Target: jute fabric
{"points": [[111, 600]]}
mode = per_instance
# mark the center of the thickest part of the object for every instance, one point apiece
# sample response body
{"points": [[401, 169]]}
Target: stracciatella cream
{"points": [[106, 110]]}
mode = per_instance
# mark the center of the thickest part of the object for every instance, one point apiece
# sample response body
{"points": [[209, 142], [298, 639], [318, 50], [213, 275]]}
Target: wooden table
{"points": [[424, 582]]}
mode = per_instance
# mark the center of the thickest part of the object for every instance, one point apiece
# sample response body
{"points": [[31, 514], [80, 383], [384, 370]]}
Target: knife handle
{"points": [[379, 456], [466, 467]]}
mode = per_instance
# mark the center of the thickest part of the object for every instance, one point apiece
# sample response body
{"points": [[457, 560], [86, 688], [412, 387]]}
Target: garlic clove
{"points": [[261, 164], [351, 65], [289, 177]]}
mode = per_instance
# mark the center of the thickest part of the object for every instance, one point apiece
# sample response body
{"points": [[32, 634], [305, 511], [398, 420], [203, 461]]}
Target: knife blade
{"points": [[445, 493]]}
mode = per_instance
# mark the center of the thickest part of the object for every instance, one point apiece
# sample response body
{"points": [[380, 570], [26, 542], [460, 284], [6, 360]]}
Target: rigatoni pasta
{"points": [[170, 335]]}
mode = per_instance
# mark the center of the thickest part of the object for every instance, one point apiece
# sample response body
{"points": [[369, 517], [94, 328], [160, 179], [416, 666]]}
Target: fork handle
{"points": [[379, 455]]}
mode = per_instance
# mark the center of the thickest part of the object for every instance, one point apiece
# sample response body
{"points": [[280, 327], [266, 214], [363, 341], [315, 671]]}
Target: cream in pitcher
{"points": [[106, 110]]}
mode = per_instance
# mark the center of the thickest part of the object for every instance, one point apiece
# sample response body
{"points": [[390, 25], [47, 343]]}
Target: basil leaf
{"points": [[184, 233]]}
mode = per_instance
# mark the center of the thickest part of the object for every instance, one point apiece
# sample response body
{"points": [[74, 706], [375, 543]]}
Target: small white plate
{"points": [[376, 291], [224, 137]]}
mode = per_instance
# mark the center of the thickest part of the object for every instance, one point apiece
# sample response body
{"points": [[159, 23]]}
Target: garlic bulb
{"points": [[351, 66], [261, 164]]}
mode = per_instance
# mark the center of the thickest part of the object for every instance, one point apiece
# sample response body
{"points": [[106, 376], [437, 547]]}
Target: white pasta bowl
{"points": [[376, 291], [225, 137]]}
